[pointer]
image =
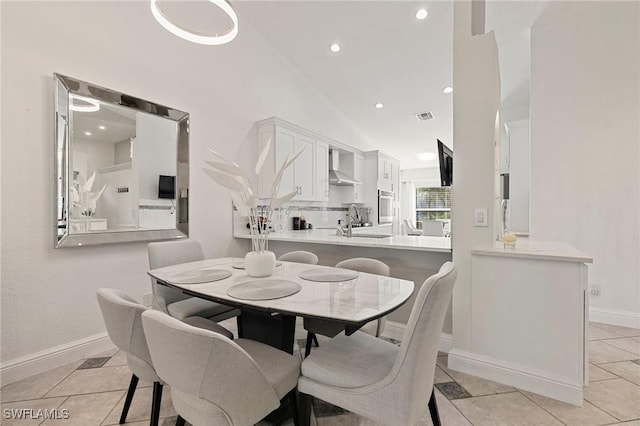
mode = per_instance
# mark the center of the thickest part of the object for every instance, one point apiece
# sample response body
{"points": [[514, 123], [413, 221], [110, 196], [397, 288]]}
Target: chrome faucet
{"points": [[351, 218]]}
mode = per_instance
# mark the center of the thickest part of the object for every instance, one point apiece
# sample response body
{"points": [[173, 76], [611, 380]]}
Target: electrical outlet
{"points": [[147, 298], [594, 289]]}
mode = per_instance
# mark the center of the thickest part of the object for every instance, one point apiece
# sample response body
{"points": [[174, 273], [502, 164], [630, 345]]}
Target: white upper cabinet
{"points": [[307, 176], [387, 172], [283, 145], [304, 168], [358, 174], [322, 171]]}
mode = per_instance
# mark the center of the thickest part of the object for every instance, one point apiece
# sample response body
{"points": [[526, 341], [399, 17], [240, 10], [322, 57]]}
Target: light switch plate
{"points": [[480, 217]]}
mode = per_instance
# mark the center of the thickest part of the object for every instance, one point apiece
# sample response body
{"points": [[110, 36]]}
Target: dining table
{"points": [[270, 305]]}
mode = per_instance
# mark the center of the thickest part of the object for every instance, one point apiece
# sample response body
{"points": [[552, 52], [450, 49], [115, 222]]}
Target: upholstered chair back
{"points": [[210, 367], [414, 366], [363, 264], [122, 317], [300, 256], [168, 253]]}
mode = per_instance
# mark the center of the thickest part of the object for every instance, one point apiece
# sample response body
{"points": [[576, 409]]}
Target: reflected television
{"points": [[167, 187], [445, 155]]}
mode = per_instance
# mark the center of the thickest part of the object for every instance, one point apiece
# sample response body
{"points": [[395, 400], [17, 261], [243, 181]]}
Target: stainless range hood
{"points": [[336, 177]]}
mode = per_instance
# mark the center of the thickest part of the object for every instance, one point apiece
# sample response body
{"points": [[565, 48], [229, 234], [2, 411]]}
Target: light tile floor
{"points": [[93, 393]]}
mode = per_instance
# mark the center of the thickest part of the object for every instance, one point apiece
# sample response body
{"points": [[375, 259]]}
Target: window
{"points": [[432, 203]]}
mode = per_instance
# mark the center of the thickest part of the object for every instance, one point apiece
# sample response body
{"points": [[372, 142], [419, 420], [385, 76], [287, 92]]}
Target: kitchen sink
{"points": [[359, 235]]}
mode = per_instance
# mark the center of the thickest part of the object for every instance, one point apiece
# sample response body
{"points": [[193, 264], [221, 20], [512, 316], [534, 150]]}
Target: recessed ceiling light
{"points": [[427, 156], [335, 48], [422, 14], [447, 90], [101, 127], [379, 105], [88, 133]]}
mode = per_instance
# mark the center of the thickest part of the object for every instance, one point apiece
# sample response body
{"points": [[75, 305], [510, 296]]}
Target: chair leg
{"points": [[155, 404], [129, 398], [433, 409], [239, 324], [180, 421], [307, 349], [305, 409], [315, 340], [293, 402]]}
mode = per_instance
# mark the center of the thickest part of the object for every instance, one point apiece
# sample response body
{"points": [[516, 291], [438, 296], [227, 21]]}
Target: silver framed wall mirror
{"points": [[121, 167]]}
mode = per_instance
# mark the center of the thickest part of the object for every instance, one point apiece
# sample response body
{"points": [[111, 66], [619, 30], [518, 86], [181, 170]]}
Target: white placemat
{"points": [[328, 275], [264, 289], [239, 264], [199, 276]]}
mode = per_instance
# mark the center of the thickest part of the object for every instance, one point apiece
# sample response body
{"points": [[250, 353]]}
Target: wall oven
{"points": [[385, 206]]}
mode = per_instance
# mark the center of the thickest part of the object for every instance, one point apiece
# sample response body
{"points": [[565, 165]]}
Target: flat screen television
{"points": [[167, 187], [445, 156]]}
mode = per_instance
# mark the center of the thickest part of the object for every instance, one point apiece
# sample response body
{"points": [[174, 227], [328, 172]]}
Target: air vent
{"points": [[423, 116]]}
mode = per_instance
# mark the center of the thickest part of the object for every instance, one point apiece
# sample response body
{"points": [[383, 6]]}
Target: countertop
{"points": [[328, 236], [541, 250]]}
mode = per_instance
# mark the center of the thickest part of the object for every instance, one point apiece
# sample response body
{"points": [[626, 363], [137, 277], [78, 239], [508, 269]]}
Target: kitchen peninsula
{"points": [[412, 258]]}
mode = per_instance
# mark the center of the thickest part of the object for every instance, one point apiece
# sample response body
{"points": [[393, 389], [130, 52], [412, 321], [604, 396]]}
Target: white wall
{"points": [[585, 133], [154, 152], [476, 100], [48, 296]]}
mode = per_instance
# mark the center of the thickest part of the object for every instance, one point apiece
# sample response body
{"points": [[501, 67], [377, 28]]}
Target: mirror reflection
{"points": [[127, 168]]}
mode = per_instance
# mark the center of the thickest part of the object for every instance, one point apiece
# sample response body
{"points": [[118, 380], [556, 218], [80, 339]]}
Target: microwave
{"points": [[385, 206]]}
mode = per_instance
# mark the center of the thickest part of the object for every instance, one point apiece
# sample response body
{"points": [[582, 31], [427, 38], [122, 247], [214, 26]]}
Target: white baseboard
{"points": [[519, 376], [615, 317], [395, 330], [39, 362]]}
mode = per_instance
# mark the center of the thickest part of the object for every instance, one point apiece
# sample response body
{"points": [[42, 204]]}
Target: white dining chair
{"points": [[300, 256], [376, 379], [410, 229], [172, 301], [215, 380], [122, 318], [433, 228], [332, 328]]}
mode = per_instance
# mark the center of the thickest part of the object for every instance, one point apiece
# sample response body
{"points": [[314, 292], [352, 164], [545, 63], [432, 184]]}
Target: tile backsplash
{"points": [[282, 219]]}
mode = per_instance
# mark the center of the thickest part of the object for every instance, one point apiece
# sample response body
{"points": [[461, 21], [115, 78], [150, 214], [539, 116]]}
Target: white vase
{"points": [[260, 263]]}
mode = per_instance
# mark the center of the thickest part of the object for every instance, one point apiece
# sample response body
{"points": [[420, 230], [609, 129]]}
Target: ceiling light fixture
{"points": [[422, 14], [87, 105], [379, 105], [101, 127], [198, 38], [447, 90], [88, 133], [427, 156], [335, 47]]}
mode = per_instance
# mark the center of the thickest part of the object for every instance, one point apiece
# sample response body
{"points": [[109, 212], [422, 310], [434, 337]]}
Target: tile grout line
{"points": [[614, 346], [540, 406], [62, 380], [455, 408], [61, 404], [601, 408]]}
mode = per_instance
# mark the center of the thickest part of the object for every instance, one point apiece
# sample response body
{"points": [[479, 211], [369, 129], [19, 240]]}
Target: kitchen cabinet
{"points": [[517, 162], [388, 172], [358, 174], [321, 155], [385, 171], [308, 175]]}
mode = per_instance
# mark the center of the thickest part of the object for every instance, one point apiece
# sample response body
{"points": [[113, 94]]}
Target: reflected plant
{"points": [[244, 195], [83, 198]]}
